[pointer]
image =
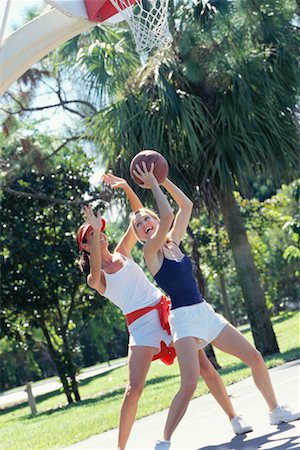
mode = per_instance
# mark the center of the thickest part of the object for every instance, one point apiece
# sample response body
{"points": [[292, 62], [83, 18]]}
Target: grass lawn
{"points": [[58, 425]]}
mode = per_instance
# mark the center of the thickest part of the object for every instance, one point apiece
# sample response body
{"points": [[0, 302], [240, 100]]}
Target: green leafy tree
{"points": [[292, 226], [41, 286], [272, 229]]}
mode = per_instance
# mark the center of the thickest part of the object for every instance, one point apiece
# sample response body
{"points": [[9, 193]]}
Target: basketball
{"points": [[161, 168]]}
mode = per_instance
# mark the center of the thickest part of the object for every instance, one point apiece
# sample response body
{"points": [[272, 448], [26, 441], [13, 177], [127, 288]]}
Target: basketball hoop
{"points": [[148, 21]]}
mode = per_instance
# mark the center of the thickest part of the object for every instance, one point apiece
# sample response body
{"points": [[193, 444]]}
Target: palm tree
{"points": [[102, 60], [220, 106]]}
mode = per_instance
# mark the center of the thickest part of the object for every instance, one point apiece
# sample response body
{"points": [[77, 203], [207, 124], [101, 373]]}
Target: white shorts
{"points": [[199, 321], [147, 331]]}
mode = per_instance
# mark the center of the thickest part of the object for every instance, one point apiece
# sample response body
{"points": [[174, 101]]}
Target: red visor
{"points": [[85, 229]]}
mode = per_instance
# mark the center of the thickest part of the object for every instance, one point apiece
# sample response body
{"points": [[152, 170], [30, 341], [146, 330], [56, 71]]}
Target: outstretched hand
{"points": [[146, 176], [91, 218], [114, 181]]}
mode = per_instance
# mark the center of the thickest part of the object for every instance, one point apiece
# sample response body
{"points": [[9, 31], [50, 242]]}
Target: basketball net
{"points": [[148, 21]]}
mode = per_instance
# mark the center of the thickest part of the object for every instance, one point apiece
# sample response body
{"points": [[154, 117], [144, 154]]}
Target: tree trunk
{"points": [[200, 280], [75, 388], [228, 313], [258, 314], [210, 353], [68, 356], [57, 362], [195, 259]]}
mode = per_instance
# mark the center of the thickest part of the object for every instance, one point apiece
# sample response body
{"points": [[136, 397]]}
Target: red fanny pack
{"points": [[166, 354]]}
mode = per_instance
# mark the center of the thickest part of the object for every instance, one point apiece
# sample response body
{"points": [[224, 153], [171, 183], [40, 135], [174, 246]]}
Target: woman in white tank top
{"points": [[117, 277]]}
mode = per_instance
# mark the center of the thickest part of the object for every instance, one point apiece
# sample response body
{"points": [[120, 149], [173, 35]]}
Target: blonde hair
{"points": [[133, 216]]}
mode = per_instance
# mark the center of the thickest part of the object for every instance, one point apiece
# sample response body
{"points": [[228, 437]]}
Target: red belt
{"points": [[166, 354]]}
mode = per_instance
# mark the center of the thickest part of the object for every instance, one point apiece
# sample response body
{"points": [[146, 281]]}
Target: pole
{"points": [[31, 399], [4, 20]]}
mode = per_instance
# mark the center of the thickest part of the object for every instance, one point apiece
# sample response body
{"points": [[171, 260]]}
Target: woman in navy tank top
{"points": [[193, 322], [104, 272]]}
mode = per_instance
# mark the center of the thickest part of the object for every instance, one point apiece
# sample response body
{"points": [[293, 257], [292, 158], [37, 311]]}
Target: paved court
{"points": [[205, 427]]}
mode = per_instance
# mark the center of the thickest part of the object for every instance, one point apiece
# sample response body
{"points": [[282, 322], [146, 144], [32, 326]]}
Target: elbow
{"points": [[92, 281], [189, 206]]}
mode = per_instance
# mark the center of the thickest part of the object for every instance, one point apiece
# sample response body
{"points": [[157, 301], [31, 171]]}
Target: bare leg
{"points": [[187, 352], [139, 360], [215, 384], [231, 341]]}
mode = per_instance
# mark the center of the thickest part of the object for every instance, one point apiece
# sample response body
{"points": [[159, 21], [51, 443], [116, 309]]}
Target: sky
{"points": [[17, 12]]}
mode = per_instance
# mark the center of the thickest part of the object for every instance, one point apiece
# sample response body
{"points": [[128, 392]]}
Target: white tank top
{"points": [[129, 288]]}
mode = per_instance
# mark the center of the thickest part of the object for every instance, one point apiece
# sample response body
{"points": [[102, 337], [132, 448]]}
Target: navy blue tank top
{"points": [[177, 280]]}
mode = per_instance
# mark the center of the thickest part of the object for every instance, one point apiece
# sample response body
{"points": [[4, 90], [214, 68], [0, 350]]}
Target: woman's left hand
{"points": [[146, 176], [114, 181], [90, 217]]}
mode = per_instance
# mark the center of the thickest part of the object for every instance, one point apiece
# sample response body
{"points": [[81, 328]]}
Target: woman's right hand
{"points": [[90, 217], [114, 181], [145, 175]]}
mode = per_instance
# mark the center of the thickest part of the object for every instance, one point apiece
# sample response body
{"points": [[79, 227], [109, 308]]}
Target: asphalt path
{"points": [[205, 427]]}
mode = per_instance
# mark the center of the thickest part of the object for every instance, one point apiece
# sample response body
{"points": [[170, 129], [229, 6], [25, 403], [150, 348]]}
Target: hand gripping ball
{"points": [[161, 167]]}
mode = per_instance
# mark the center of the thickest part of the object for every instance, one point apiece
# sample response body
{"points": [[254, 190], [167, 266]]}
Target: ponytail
{"points": [[84, 263]]}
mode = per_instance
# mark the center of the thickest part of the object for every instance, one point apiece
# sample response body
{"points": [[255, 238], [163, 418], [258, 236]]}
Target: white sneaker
{"points": [[240, 426], [162, 445], [283, 414]]}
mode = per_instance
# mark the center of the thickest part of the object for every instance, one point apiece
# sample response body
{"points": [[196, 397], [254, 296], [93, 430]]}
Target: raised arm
{"points": [[95, 278], [183, 214], [166, 215], [128, 240], [119, 183]]}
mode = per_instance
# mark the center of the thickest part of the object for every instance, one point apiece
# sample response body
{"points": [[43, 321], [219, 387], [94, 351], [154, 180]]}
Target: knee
{"points": [[188, 388], [134, 391], [207, 372], [255, 359]]}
